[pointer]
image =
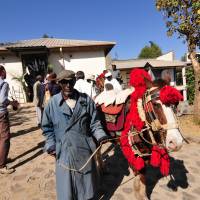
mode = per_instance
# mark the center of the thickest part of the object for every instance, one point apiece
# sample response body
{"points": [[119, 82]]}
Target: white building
{"points": [[155, 67], [28, 58]]}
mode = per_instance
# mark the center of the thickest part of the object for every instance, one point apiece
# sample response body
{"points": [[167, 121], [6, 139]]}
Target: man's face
{"points": [[3, 74], [67, 86], [114, 67]]}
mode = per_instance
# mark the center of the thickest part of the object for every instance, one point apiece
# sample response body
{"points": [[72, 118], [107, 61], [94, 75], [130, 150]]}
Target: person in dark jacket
{"points": [[70, 124], [52, 85]]}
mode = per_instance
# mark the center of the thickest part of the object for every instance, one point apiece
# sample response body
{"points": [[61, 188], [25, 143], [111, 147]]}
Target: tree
{"points": [[46, 36], [190, 84], [152, 51], [183, 18], [184, 58]]}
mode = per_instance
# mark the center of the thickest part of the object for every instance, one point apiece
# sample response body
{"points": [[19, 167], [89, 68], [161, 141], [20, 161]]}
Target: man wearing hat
{"points": [[109, 79], [70, 125], [52, 86]]}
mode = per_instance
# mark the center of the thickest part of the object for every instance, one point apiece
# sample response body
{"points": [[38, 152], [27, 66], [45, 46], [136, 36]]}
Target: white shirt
{"points": [[116, 86], [84, 87]]}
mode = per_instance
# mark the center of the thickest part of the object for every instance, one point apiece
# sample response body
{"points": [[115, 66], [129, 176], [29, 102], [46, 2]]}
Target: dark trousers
{"points": [[4, 138]]}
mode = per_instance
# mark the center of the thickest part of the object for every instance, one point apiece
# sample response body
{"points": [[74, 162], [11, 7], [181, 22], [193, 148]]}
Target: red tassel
{"points": [[139, 163], [155, 156], [165, 163]]}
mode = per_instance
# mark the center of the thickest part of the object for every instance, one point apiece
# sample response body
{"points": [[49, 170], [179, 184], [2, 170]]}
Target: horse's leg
{"points": [[139, 187]]}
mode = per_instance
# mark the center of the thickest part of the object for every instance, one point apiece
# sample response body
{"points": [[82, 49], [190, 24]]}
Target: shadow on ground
{"points": [[178, 177], [116, 167], [22, 115], [38, 153], [25, 131]]}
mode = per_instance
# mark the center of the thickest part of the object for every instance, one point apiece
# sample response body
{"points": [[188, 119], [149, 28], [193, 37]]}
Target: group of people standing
{"points": [[71, 127], [73, 131], [42, 91], [45, 89]]}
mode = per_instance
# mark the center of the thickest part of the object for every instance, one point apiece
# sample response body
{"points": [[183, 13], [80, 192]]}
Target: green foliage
{"points": [[152, 51], [184, 58], [183, 17], [46, 36], [190, 84], [49, 68]]}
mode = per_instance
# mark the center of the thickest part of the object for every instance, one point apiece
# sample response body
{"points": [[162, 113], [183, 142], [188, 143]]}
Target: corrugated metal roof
{"points": [[134, 63], [2, 48], [53, 42]]}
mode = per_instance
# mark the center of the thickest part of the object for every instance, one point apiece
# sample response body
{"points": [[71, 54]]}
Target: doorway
{"points": [[33, 65]]}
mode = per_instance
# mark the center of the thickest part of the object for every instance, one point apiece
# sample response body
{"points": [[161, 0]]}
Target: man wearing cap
{"points": [[109, 79], [70, 125]]}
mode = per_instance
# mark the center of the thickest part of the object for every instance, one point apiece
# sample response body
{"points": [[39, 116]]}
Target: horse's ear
{"points": [[148, 83]]}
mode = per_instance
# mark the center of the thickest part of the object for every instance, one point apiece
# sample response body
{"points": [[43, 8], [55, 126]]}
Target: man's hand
{"points": [[104, 139], [15, 104], [51, 151]]}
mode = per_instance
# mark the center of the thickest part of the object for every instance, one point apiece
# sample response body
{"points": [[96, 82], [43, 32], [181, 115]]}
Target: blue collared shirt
{"points": [[4, 89]]}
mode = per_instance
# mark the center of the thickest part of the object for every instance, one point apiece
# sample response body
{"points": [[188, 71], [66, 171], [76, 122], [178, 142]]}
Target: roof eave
{"points": [[106, 47]]}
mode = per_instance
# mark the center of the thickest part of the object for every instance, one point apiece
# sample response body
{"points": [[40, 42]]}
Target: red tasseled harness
{"points": [[159, 155]]}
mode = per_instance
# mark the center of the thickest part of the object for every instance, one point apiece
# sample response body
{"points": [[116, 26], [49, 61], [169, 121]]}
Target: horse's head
{"points": [[160, 117]]}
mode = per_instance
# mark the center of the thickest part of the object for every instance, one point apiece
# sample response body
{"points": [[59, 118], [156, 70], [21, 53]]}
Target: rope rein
{"points": [[133, 133], [97, 149]]}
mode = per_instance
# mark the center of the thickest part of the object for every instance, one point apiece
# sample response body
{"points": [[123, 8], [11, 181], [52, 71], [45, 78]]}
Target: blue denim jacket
{"points": [[73, 136]]}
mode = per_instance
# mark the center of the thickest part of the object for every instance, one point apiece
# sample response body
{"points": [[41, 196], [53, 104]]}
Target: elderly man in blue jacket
{"points": [[70, 125]]}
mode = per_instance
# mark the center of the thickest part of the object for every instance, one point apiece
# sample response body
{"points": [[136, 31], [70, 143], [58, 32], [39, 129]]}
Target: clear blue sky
{"points": [[130, 23]]}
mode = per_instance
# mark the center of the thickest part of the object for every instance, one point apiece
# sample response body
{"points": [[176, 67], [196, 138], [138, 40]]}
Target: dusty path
{"points": [[34, 178]]}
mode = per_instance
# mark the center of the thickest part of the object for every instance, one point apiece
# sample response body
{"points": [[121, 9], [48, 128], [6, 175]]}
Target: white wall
{"points": [[168, 56], [13, 66], [92, 62]]}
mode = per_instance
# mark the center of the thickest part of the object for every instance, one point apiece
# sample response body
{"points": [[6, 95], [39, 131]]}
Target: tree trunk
{"points": [[196, 67]]}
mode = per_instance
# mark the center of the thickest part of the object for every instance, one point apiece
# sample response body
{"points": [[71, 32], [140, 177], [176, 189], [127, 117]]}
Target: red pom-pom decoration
{"points": [[170, 95]]}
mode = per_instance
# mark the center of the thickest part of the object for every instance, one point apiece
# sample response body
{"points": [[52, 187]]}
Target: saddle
{"points": [[113, 116], [112, 105], [112, 109]]}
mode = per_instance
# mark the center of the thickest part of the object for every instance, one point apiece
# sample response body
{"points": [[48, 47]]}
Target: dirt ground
{"points": [[190, 130], [34, 178]]}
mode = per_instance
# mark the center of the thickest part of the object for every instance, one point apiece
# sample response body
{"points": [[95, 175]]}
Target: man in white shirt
{"points": [[82, 85], [109, 79], [93, 90]]}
